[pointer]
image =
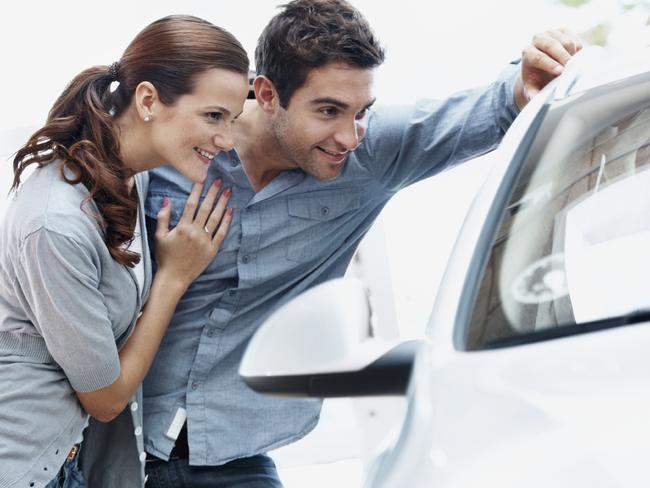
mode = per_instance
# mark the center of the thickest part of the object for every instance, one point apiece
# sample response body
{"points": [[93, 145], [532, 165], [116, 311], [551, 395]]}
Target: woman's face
{"points": [[189, 134]]}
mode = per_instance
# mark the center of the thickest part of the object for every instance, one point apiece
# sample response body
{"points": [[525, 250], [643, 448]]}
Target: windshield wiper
{"points": [[567, 330]]}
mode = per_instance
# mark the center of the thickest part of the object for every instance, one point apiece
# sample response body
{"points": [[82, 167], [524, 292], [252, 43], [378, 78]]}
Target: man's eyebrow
{"points": [[330, 101], [372, 102], [338, 103]]}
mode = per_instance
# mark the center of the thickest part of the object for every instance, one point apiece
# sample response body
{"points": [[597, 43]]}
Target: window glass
{"points": [[572, 246]]}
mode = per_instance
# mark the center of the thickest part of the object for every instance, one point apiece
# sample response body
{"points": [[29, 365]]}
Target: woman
{"points": [[74, 338]]}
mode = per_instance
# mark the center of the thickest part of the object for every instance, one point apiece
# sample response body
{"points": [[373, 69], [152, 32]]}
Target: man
{"points": [[312, 168]]}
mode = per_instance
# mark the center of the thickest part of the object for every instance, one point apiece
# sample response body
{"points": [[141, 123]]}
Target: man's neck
{"points": [[258, 150]]}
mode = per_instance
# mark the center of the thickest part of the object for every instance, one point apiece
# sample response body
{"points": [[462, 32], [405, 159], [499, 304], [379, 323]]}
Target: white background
{"points": [[433, 49]]}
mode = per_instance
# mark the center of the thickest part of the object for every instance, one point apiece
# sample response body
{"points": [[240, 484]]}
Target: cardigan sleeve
{"points": [[59, 280]]}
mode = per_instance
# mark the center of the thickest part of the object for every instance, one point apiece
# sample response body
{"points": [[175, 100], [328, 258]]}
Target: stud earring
{"points": [[147, 118]]}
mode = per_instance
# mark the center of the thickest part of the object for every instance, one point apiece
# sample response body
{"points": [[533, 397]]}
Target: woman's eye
{"points": [[214, 115]]}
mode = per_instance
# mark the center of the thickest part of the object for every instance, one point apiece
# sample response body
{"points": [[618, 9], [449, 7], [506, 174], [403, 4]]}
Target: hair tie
{"points": [[112, 70]]}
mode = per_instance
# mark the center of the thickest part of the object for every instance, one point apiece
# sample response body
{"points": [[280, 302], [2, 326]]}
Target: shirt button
{"points": [[233, 163], [143, 457], [134, 406], [211, 332], [324, 210], [245, 259], [195, 385], [138, 431]]}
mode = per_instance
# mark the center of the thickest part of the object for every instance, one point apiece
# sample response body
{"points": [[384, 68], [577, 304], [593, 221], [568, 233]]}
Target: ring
{"points": [[207, 231]]}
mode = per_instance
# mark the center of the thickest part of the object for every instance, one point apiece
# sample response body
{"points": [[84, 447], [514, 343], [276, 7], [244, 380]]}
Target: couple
{"points": [[245, 205]]}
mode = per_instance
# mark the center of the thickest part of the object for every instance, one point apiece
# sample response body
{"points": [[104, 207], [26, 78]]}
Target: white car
{"points": [[536, 370]]}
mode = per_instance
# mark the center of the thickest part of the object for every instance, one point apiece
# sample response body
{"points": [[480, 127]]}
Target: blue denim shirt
{"points": [[293, 234]]}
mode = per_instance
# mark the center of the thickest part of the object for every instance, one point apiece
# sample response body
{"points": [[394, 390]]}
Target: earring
{"points": [[147, 118]]}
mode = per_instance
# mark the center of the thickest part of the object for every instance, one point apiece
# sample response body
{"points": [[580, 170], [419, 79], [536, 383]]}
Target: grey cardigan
{"points": [[66, 307]]}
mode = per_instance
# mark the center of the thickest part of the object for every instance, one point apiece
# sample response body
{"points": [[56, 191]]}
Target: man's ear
{"points": [[265, 93], [146, 98]]}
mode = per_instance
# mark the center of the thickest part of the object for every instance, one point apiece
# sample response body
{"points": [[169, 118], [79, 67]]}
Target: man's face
{"points": [[325, 119]]}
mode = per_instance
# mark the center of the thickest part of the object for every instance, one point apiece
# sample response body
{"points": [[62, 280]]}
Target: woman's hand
{"points": [[185, 251]]}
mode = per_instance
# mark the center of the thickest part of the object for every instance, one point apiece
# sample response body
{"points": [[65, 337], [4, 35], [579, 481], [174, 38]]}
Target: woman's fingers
{"points": [[222, 230], [162, 220], [191, 204], [218, 212], [208, 202]]}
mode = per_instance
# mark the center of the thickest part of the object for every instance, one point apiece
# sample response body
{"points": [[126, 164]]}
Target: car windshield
{"points": [[573, 243]]}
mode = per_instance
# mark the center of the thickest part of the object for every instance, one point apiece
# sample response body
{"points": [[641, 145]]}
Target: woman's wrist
{"points": [[170, 283]]}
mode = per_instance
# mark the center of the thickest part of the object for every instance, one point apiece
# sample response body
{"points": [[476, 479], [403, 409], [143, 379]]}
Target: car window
{"points": [[572, 245]]}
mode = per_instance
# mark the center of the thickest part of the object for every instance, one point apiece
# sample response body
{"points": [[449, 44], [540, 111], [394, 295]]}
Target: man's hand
{"points": [[543, 60]]}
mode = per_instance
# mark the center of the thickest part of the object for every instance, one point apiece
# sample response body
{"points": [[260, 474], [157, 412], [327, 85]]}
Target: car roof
{"points": [[596, 66]]}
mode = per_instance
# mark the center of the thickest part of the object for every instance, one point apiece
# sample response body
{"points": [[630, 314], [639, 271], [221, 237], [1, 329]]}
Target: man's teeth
{"points": [[203, 153], [333, 153]]}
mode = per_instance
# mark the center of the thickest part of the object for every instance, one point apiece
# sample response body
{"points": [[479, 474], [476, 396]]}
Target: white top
{"points": [[136, 246]]}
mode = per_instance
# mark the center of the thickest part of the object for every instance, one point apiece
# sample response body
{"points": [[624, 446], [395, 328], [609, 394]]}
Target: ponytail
{"points": [[79, 131]]}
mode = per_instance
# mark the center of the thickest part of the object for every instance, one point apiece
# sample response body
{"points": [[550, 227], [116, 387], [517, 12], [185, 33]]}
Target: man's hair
{"points": [[308, 34]]}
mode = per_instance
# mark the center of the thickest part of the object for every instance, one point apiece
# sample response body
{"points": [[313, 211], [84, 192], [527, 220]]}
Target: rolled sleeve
{"points": [[59, 278]]}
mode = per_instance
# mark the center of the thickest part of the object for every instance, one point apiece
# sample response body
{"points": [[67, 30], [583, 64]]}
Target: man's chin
{"points": [[330, 171], [328, 176]]}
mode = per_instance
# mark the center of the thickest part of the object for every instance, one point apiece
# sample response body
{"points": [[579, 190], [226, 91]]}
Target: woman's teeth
{"points": [[203, 153]]}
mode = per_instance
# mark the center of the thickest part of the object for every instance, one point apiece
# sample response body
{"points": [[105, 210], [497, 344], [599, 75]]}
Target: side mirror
{"points": [[320, 344]]}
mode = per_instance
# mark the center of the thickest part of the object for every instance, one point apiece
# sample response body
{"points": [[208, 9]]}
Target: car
{"points": [[535, 370]]}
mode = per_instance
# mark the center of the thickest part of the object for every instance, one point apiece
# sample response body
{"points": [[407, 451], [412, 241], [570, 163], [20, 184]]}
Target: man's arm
{"points": [[407, 144]]}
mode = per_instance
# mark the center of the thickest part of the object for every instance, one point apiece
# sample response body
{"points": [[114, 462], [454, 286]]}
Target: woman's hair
{"points": [[80, 129]]}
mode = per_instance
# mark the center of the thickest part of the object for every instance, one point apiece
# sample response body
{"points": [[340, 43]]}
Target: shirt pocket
{"points": [[317, 222]]}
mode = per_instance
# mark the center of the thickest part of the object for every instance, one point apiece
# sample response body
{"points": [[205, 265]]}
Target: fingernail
{"points": [[229, 212], [217, 183], [227, 192], [165, 202], [558, 69]]}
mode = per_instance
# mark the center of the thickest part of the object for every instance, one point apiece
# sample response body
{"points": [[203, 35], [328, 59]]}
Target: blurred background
{"points": [[433, 49]]}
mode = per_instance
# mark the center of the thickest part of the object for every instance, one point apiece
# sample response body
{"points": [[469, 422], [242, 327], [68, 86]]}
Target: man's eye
{"points": [[214, 115], [361, 115], [329, 111]]}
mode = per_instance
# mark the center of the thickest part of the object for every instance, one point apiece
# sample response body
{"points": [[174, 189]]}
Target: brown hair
{"points": [[80, 131], [308, 34]]}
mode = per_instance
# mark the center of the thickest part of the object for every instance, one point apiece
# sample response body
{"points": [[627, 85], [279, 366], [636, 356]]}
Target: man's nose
{"points": [[348, 136]]}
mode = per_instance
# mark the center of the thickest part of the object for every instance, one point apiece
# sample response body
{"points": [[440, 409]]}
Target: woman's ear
{"points": [[145, 99], [265, 93]]}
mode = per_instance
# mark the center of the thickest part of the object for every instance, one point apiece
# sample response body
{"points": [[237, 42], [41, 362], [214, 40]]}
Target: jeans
{"points": [[253, 472], [69, 476]]}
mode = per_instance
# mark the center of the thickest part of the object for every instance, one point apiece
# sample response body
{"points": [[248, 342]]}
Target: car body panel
{"points": [[570, 411]]}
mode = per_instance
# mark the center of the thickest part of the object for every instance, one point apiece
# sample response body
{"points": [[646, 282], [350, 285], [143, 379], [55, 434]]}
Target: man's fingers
{"points": [[162, 222], [569, 41], [543, 60], [192, 204], [552, 48], [533, 58], [208, 202]]}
